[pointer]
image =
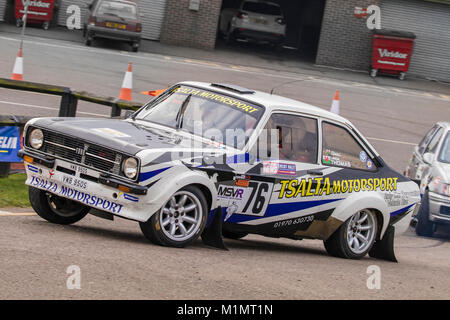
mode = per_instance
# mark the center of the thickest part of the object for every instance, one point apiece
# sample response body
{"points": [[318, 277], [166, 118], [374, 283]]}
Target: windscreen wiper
{"points": [[180, 114]]}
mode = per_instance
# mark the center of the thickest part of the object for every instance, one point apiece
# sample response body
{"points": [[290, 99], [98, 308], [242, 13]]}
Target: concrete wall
{"points": [[345, 40], [189, 28]]}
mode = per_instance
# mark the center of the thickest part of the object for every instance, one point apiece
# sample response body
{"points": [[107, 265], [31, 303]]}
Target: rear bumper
{"points": [[258, 35], [113, 34], [439, 208]]}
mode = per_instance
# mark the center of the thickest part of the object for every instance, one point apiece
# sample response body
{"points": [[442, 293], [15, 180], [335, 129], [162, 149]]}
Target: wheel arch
{"points": [[359, 201]]}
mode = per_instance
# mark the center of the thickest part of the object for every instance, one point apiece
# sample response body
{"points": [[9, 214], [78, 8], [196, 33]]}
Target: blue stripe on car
{"points": [[33, 169], [395, 213], [147, 175], [276, 209]]}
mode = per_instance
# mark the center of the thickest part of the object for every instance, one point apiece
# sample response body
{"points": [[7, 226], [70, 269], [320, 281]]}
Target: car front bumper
{"points": [[59, 177], [113, 34], [258, 35], [439, 208]]}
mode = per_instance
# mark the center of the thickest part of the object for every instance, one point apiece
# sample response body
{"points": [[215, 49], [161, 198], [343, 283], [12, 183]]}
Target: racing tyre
{"points": [[233, 235], [56, 209], [355, 237], [424, 227], [180, 221]]}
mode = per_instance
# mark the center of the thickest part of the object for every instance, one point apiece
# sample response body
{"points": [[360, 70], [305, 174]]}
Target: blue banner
{"points": [[9, 144]]}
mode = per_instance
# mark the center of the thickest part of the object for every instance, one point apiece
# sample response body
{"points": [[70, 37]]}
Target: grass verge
{"points": [[13, 191]]}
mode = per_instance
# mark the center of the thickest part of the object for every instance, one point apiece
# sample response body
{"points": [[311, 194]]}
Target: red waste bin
{"points": [[39, 11], [391, 52]]}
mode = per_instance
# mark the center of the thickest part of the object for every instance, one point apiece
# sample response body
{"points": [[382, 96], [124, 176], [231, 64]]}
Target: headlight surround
{"points": [[36, 138], [130, 168]]}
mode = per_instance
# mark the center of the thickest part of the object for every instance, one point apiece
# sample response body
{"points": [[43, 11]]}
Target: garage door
{"points": [[153, 12], [2, 9], [431, 23]]}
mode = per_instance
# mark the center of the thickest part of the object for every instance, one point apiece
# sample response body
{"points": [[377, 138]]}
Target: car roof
{"points": [[445, 125], [273, 102]]}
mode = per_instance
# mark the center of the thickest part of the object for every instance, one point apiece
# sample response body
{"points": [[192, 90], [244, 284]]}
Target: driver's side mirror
{"points": [[428, 158]]}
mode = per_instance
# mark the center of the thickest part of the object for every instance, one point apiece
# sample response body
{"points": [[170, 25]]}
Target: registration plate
{"points": [[78, 169], [75, 182], [116, 25], [261, 21]]}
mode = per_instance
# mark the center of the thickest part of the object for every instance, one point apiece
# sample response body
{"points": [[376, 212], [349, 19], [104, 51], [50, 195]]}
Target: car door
{"points": [[286, 151]]}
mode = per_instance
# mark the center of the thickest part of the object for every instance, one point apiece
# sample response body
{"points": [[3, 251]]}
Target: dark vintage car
{"points": [[115, 20]]}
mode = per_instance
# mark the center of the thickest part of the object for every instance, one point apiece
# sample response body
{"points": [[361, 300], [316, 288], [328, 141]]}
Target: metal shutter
{"points": [[2, 9], [153, 15], [431, 24]]}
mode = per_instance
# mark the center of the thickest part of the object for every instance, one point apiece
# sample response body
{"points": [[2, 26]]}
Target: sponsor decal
{"points": [[363, 156], [319, 186], [83, 197], [51, 173], [369, 164], [242, 180], [300, 220], [32, 168], [219, 98], [273, 167], [129, 197]]}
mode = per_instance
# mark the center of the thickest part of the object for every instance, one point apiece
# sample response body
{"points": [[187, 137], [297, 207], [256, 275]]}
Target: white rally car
{"points": [[216, 159]]}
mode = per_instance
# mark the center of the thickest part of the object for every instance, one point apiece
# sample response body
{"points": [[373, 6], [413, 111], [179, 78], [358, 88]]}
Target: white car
{"points": [[430, 168], [218, 159], [254, 20]]}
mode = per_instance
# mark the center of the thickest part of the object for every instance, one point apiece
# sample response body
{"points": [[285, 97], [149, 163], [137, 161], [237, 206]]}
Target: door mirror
{"points": [[428, 158]]}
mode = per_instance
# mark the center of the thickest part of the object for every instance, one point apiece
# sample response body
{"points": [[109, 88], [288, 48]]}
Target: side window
{"points": [[295, 137], [340, 149], [423, 144], [434, 142]]}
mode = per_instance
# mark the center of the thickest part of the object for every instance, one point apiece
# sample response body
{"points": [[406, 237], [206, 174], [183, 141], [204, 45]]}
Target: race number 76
{"points": [[258, 200]]}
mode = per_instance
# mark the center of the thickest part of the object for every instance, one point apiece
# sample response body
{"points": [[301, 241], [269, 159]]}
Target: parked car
{"points": [[254, 20], [211, 159], [430, 168], [115, 20]]}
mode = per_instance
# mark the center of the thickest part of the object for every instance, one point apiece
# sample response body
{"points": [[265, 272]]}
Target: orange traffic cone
{"points": [[18, 67], [127, 85], [154, 93], [335, 103]]}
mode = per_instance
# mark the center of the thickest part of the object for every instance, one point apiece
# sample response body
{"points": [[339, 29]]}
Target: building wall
{"points": [[345, 40], [189, 28]]}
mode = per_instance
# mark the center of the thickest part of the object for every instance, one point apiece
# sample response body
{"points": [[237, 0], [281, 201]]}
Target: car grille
{"points": [[81, 152]]}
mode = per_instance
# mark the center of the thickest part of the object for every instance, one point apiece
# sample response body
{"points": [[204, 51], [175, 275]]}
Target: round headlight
{"points": [[36, 138], [130, 168]]}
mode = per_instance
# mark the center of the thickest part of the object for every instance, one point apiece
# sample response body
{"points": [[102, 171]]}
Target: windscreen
{"points": [[262, 8], [444, 154], [118, 9], [222, 119]]}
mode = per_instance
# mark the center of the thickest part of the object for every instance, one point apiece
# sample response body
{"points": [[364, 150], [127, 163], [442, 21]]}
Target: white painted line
{"points": [[16, 214], [393, 141], [48, 108]]}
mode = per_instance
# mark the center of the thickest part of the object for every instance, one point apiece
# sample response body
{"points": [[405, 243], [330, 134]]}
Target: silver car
{"points": [[430, 168]]}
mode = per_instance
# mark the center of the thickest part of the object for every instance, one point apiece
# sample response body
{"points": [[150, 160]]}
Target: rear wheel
{"points": [[180, 221], [355, 237], [56, 209], [424, 227]]}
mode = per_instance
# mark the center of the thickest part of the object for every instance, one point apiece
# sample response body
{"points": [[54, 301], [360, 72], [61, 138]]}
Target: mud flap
{"points": [[384, 249], [212, 235]]}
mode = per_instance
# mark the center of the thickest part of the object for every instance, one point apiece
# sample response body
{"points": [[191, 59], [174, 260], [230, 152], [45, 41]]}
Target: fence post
{"points": [[115, 110], [68, 106]]}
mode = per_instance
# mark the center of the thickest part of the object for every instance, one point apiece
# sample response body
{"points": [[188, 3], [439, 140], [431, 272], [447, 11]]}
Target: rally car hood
{"points": [[127, 136]]}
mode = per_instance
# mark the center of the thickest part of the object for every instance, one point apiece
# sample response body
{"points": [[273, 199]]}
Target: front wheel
{"points": [[355, 237], [56, 209], [180, 221]]}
